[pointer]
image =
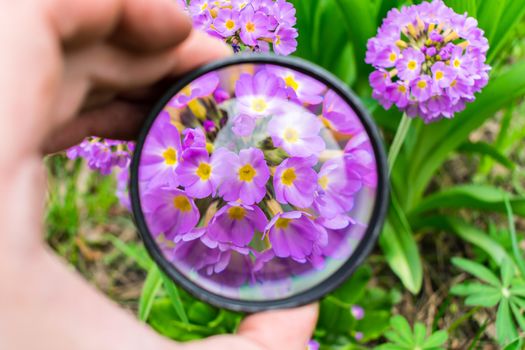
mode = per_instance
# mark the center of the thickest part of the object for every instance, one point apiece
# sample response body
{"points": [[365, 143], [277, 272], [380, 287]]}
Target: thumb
{"points": [[281, 329]]}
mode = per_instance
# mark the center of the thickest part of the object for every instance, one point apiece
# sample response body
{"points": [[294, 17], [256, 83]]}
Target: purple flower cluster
{"points": [[274, 194], [429, 61], [103, 154], [254, 25]]}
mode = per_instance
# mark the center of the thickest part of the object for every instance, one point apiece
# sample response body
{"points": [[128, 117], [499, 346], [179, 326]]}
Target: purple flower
{"points": [[200, 87], [259, 95], [297, 132], [299, 86], [243, 125], [102, 155], [359, 336], [422, 88], [339, 116], [337, 230], [337, 186], [284, 42], [193, 138], [409, 66], [228, 265], [254, 25], [295, 182], [198, 173], [122, 188], [227, 22], [169, 211], [294, 234], [358, 312], [284, 12], [312, 345], [161, 154], [236, 224], [244, 176], [429, 61]]}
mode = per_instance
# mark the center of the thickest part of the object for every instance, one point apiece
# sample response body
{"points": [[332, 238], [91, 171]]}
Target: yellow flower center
{"points": [[209, 147], [230, 24], [170, 156], [282, 223], [186, 91], [182, 203], [204, 6], [456, 63], [439, 75], [421, 84], [247, 173], [392, 57], [259, 105], [454, 83], [250, 27], [291, 135], [291, 82], [288, 177], [203, 171], [214, 12], [277, 40], [323, 182], [412, 65], [236, 213], [402, 88], [326, 122]]}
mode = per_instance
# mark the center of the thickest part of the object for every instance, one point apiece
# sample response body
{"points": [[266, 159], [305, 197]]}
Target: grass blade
{"points": [[149, 291], [176, 301]]}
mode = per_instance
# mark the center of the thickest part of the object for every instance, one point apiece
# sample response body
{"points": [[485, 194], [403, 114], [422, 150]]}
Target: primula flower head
{"points": [[429, 61], [255, 25]]}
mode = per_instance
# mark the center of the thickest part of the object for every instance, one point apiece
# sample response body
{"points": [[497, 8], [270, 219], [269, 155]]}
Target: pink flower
{"points": [[295, 182]]}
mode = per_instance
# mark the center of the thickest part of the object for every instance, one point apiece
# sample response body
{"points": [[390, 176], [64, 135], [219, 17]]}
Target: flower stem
{"points": [[402, 130]]}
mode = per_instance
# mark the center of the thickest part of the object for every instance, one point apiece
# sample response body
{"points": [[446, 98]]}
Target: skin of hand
{"points": [[69, 69]]}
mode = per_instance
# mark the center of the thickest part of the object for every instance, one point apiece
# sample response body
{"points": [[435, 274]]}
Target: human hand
{"points": [[73, 68]]}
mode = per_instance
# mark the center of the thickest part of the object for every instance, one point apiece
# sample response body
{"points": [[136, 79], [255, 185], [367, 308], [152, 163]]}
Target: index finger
{"points": [[143, 25]]}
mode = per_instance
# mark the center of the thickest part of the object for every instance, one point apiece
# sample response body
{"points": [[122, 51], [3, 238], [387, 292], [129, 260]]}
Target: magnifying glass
{"points": [[259, 182]]}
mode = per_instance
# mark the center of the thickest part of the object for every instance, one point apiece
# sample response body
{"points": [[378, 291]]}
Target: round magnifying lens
{"points": [[259, 182]]}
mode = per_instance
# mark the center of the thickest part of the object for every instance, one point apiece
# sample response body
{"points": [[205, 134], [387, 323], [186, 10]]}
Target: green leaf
{"points": [[400, 249], [510, 18], [489, 16], [462, 6], [507, 272], [394, 337], [202, 314], [485, 149], [468, 288], [437, 141], [354, 288], [374, 324], [149, 291], [466, 232], [477, 270], [518, 314], [518, 256], [435, 340], [401, 325], [389, 347], [133, 251], [482, 197], [515, 345], [173, 294], [485, 300], [505, 328], [361, 26], [420, 333]]}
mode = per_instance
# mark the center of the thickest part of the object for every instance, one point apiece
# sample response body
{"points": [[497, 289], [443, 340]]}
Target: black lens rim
{"points": [[362, 250]]}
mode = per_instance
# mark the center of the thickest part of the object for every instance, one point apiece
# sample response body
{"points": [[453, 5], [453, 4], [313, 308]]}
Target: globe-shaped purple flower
{"points": [[429, 61]]}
